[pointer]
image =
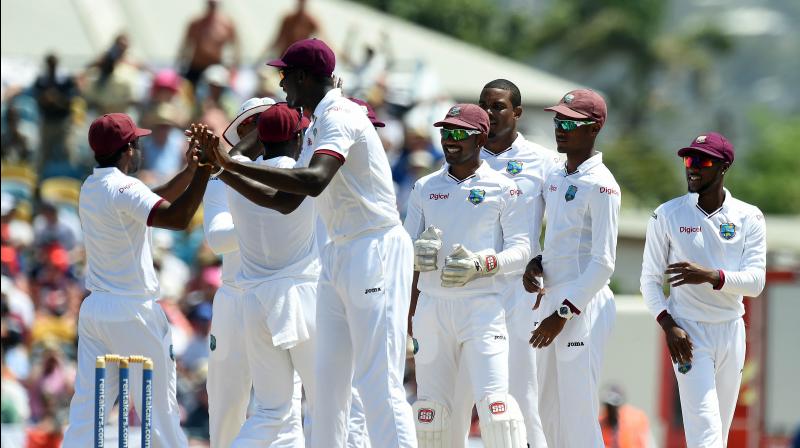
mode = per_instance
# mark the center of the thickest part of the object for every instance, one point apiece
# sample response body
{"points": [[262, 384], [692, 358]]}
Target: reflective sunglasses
{"points": [[698, 161], [569, 125], [457, 134]]}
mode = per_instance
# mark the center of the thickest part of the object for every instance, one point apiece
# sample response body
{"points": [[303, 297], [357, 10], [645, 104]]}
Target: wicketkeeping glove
{"points": [[463, 266], [426, 249]]}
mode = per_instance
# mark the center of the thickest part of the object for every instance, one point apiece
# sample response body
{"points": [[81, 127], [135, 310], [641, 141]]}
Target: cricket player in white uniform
{"points": [[121, 315], [528, 164], [279, 274], [713, 248], [577, 311], [365, 284], [229, 389], [469, 225]]}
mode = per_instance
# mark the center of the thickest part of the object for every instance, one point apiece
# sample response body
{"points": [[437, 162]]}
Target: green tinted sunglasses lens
{"points": [[455, 134], [565, 125]]}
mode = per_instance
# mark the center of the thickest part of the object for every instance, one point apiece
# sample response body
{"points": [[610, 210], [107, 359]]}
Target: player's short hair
{"points": [[504, 84]]}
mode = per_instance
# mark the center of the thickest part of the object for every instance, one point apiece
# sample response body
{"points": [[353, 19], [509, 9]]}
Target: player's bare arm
{"points": [[310, 181], [177, 215], [175, 186], [262, 195], [687, 273]]}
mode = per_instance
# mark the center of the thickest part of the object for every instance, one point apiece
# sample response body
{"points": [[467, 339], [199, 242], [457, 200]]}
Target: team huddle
{"points": [[324, 297]]}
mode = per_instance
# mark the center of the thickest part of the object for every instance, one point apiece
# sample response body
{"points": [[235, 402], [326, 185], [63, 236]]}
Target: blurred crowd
{"points": [[45, 157]]}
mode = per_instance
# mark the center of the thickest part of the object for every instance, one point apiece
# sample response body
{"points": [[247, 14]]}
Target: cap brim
{"points": [[694, 149], [230, 135], [378, 124], [566, 111], [141, 132], [277, 63], [457, 122]]}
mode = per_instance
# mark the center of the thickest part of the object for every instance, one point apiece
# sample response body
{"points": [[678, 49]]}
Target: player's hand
{"points": [[412, 347], [678, 342], [220, 156], [192, 153], [531, 279], [462, 266], [687, 273], [547, 331], [198, 137], [426, 249]]}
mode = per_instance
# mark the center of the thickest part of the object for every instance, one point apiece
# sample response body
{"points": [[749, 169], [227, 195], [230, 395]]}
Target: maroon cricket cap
{"points": [[373, 118], [582, 103], [469, 116], [312, 54], [279, 123], [110, 132], [712, 144]]}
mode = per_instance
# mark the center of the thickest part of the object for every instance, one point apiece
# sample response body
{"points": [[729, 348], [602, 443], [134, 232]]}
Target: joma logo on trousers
{"points": [[575, 344], [371, 290]]}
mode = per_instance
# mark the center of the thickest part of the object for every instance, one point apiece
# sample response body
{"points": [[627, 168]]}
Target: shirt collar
{"points": [[722, 207], [327, 100], [514, 145], [105, 171], [482, 169], [587, 164]]}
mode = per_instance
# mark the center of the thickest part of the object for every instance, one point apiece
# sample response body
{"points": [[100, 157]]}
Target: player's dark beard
{"points": [[136, 162]]}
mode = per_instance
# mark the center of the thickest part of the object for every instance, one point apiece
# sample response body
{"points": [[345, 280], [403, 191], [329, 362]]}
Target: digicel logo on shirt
{"points": [[438, 196], [690, 229], [609, 190]]}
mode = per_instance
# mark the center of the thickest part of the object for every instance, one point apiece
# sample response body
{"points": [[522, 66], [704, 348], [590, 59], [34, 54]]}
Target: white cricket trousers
{"points": [[569, 371], [710, 389], [452, 331], [275, 421], [522, 383], [362, 311], [228, 384], [124, 325]]}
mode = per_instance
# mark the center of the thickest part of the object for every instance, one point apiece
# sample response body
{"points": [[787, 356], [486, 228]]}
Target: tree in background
{"points": [[768, 173]]}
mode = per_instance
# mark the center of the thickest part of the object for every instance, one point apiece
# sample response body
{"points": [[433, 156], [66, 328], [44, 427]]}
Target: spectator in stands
{"points": [[623, 425], [297, 25], [198, 350], [205, 40], [168, 87], [14, 407], [15, 146], [110, 82], [54, 93], [50, 227], [163, 152], [52, 381]]}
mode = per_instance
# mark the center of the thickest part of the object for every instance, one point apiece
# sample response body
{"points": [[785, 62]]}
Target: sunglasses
{"points": [[283, 72], [698, 161], [569, 125], [457, 134]]}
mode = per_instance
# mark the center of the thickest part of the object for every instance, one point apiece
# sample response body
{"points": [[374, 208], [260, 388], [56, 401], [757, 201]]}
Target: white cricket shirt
{"points": [[731, 239], [580, 245], [528, 164], [480, 212], [360, 197], [218, 229], [272, 245], [115, 209]]}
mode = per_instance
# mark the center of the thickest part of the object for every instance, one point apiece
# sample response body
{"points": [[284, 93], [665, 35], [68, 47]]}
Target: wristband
{"points": [[221, 169]]}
